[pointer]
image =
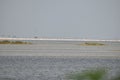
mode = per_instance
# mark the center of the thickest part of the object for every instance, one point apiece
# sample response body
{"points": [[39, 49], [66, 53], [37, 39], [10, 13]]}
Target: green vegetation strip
{"points": [[92, 44], [94, 74], [13, 42]]}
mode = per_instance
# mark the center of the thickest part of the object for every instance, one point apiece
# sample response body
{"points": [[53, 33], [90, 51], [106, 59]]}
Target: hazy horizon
{"points": [[79, 19]]}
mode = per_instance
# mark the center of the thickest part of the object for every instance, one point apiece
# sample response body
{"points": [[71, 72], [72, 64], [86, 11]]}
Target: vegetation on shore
{"points": [[94, 74], [13, 42], [92, 44]]}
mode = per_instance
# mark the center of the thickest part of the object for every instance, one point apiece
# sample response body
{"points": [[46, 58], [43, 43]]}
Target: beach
{"points": [[62, 48]]}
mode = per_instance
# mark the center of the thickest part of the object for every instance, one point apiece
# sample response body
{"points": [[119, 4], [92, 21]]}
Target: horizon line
{"points": [[58, 39]]}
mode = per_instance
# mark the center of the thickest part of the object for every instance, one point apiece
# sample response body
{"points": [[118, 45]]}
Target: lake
{"points": [[52, 60]]}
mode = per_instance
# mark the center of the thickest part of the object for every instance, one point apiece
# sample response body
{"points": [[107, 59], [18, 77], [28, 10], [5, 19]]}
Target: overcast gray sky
{"points": [[92, 19]]}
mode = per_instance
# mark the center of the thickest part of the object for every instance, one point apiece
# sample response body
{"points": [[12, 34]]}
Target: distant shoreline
{"points": [[13, 42], [57, 39], [56, 49]]}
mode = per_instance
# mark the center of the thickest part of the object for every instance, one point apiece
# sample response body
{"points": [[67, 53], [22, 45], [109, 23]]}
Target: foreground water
{"points": [[52, 60], [50, 68]]}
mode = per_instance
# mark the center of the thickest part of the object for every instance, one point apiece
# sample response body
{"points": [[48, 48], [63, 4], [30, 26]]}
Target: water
{"points": [[52, 60]]}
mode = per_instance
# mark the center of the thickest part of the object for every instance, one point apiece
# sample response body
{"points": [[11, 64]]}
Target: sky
{"points": [[84, 19]]}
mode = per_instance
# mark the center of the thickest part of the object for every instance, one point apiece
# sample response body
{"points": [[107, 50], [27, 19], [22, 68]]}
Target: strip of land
{"points": [[58, 39], [13, 42], [85, 49]]}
